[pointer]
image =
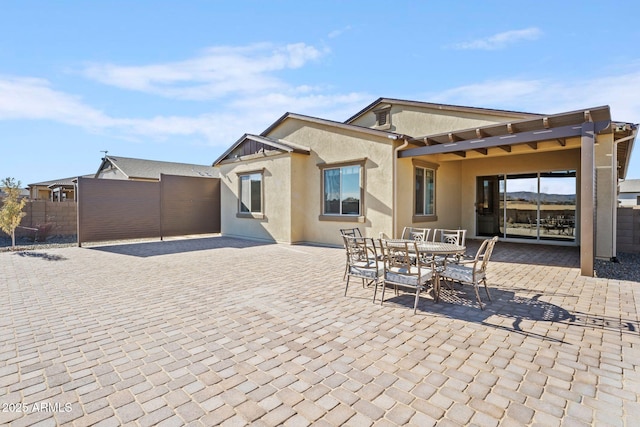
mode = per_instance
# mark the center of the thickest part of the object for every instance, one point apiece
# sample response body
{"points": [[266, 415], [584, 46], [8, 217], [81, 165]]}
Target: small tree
{"points": [[11, 212]]}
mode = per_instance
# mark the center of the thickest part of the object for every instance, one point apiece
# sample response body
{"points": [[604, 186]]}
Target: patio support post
{"points": [[587, 199]]}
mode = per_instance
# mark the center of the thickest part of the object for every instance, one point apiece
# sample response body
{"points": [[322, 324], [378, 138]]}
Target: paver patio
{"points": [[217, 331]]}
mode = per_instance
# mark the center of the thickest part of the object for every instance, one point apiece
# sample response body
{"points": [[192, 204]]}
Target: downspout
{"points": [[394, 215], [614, 214]]}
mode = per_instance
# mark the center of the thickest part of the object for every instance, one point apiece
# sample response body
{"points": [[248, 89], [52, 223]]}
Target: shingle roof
{"points": [[58, 182], [151, 169], [630, 186]]}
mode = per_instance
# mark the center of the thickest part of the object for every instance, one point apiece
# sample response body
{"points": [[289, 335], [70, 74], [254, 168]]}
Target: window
{"points": [[425, 187], [251, 193], [342, 193]]}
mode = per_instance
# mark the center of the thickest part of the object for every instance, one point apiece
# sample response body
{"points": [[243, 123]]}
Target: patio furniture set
{"points": [[420, 259]]}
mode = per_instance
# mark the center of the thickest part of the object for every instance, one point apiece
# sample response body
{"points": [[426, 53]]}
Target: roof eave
{"points": [[448, 107]]}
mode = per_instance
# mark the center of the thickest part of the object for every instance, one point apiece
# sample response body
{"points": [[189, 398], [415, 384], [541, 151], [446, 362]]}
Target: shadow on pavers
{"points": [[41, 255], [168, 247], [510, 312]]}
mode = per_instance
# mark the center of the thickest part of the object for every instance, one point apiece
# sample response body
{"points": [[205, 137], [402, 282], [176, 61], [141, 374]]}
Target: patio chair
{"points": [[363, 262], [473, 272], [352, 232], [457, 237], [413, 233], [400, 269]]}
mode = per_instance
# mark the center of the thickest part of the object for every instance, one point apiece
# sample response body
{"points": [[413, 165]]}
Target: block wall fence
{"points": [[61, 217], [628, 235]]}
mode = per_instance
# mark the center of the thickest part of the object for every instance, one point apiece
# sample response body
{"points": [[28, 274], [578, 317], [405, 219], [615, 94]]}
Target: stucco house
{"points": [[629, 192], [524, 177], [55, 190]]}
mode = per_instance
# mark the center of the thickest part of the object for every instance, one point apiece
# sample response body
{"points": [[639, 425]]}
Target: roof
{"points": [[317, 120], [151, 169], [277, 144], [446, 107], [59, 182], [630, 186]]}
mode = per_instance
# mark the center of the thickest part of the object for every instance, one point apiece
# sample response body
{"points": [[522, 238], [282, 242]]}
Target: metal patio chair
{"points": [[473, 272], [400, 269], [363, 262]]}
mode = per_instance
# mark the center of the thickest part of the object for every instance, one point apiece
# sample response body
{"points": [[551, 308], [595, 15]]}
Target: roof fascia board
{"points": [[444, 107], [331, 123], [496, 141]]}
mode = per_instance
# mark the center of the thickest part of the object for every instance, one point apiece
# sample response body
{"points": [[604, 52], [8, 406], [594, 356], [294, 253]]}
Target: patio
{"points": [[218, 331]]}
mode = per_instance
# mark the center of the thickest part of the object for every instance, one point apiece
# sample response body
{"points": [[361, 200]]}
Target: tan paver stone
{"points": [[552, 343], [279, 415]]}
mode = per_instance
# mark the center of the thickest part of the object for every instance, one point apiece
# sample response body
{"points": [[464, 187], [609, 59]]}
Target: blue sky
{"points": [[183, 80]]}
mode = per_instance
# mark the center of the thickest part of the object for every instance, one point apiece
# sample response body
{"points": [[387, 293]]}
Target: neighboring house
{"points": [[116, 167], [629, 192], [24, 192], [57, 190], [524, 177]]}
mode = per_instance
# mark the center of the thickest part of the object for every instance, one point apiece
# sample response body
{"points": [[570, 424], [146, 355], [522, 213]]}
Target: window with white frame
{"points": [[250, 193], [425, 191], [342, 190]]}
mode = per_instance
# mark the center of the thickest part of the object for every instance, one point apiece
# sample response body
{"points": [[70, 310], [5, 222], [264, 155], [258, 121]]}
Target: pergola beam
{"points": [[556, 133]]}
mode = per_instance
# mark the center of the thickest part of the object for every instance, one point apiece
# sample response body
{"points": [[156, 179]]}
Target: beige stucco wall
{"points": [[417, 121], [275, 224], [330, 145], [448, 194], [293, 183]]}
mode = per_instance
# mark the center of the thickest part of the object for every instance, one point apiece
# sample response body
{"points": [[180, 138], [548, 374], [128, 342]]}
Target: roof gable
{"points": [[249, 145]]}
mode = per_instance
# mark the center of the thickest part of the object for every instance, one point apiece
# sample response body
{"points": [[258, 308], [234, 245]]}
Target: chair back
{"points": [[353, 232], [361, 250], [436, 236], [418, 234], [400, 254], [484, 254], [457, 237]]}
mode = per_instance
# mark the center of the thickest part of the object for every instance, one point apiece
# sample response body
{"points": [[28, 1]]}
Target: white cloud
{"points": [[35, 99], [500, 40], [553, 96], [32, 98], [218, 72], [337, 33]]}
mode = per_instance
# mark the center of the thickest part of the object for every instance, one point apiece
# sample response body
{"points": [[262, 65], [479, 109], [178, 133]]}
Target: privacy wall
{"points": [[173, 206]]}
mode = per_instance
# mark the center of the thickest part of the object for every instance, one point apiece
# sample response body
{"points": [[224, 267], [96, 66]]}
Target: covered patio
{"points": [[584, 148]]}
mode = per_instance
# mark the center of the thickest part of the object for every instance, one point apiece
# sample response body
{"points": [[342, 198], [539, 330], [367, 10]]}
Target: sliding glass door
{"points": [[538, 206]]}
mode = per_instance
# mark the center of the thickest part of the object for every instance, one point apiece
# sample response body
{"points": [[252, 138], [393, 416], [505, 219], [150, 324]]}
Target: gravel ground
{"points": [[627, 267], [25, 243]]}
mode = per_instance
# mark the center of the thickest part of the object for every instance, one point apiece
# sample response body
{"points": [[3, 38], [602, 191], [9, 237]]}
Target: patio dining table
{"points": [[433, 248]]}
